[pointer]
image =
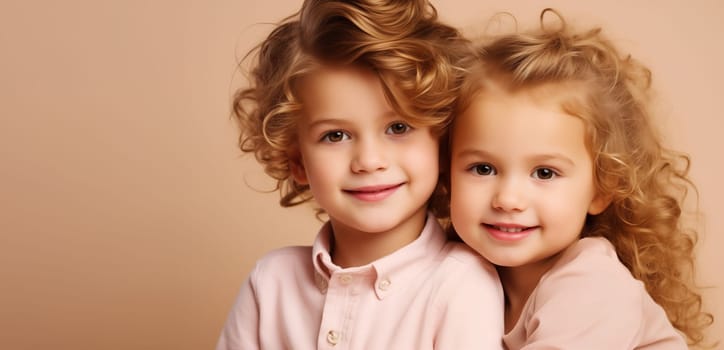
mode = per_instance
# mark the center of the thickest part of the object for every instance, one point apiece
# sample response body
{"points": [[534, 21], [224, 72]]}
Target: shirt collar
{"points": [[391, 271]]}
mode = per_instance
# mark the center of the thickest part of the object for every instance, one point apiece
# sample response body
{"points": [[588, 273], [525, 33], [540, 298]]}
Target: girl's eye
{"points": [[544, 173], [397, 128], [483, 169], [335, 136]]}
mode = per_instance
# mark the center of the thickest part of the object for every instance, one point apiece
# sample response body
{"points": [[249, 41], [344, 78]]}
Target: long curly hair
{"points": [[645, 181], [416, 57]]}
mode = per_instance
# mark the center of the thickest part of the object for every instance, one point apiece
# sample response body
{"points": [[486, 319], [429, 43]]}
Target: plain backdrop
{"points": [[128, 217]]}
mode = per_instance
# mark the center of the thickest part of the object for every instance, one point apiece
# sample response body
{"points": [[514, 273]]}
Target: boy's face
{"points": [[521, 178], [367, 168]]}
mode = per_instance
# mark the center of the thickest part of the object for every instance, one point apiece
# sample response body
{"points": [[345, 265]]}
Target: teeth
{"points": [[511, 229]]}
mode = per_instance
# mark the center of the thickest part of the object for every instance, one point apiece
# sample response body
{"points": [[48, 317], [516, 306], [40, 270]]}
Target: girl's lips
{"points": [[509, 233], [373, 193]]}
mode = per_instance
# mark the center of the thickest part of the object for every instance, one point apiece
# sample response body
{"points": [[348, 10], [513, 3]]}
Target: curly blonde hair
{"points": [[416, 57], [645, 181]]}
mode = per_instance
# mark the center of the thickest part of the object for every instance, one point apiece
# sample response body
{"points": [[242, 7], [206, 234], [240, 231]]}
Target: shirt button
{"points": [[345, 279], [333, 337], [384, 284]]}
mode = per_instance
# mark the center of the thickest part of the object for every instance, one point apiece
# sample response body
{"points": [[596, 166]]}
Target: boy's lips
{"points": [[373, 193], [509, 232]]}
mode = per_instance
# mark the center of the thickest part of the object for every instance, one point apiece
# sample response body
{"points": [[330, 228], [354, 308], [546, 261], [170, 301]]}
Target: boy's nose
{"points": [[369, 156]]}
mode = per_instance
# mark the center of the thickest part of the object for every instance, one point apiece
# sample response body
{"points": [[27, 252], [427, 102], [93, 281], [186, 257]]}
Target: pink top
{"points": [[430, 294], [589, 300]]}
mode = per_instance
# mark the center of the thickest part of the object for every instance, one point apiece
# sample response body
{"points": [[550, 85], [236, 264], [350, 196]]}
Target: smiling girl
{"points": [[558, 178]]}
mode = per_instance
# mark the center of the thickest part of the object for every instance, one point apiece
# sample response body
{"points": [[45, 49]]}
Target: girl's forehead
{"points": [[544, 94], [569, 96], [486, 83], [544, 90]]}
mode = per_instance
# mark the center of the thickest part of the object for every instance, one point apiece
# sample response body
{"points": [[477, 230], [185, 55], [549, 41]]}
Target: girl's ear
{"points": [[296, 167], [599, 203]]}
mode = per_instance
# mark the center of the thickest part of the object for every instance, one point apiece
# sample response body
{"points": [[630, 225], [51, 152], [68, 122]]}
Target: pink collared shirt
{"points": [[430, 294], [589, 300]]}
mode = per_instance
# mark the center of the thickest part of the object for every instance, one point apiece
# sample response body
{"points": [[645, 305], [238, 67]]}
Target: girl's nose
{"points": [[509, 196]]}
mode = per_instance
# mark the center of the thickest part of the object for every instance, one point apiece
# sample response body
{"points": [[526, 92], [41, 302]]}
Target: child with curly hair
{"points": [[346, 107], [559, 178]]}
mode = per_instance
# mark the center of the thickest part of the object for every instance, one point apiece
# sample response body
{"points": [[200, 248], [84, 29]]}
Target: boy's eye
{"points": [[484, 169], [544, 173], [398, 128], [335, 136]]}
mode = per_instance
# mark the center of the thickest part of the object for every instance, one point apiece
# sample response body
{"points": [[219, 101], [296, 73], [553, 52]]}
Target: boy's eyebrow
{"points": [[391, 114], [326, 121], [322, 122]]}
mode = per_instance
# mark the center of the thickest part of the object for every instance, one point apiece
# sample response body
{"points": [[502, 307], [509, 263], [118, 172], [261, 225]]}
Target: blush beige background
{"points": [[128, 218]]}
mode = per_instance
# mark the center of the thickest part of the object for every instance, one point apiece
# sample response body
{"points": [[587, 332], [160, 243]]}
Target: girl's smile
{"points": [[509, 232]]}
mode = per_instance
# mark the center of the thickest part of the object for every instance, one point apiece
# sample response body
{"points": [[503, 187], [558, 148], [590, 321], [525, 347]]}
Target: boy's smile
{"points": [[373, 193]]}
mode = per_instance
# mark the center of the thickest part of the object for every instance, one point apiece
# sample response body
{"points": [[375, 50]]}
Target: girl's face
{"points": [[521, 177], [366, 166]]}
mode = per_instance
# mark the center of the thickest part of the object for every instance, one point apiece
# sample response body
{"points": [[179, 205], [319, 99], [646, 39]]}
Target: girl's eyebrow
{"points": [[536, 158], [545, 157], [471, 152]]}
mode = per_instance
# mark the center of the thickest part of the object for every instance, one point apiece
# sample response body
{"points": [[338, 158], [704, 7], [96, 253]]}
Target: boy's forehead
{"points": [[330, 87], [338, 81], [328, 78], [341, 92]]}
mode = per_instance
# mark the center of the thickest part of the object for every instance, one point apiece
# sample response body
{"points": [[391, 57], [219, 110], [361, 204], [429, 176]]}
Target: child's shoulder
{"points": [[589, 295], [462, 274], [461, 253], [591, 266], [282, 273], [591, 256], [460, 258]]}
